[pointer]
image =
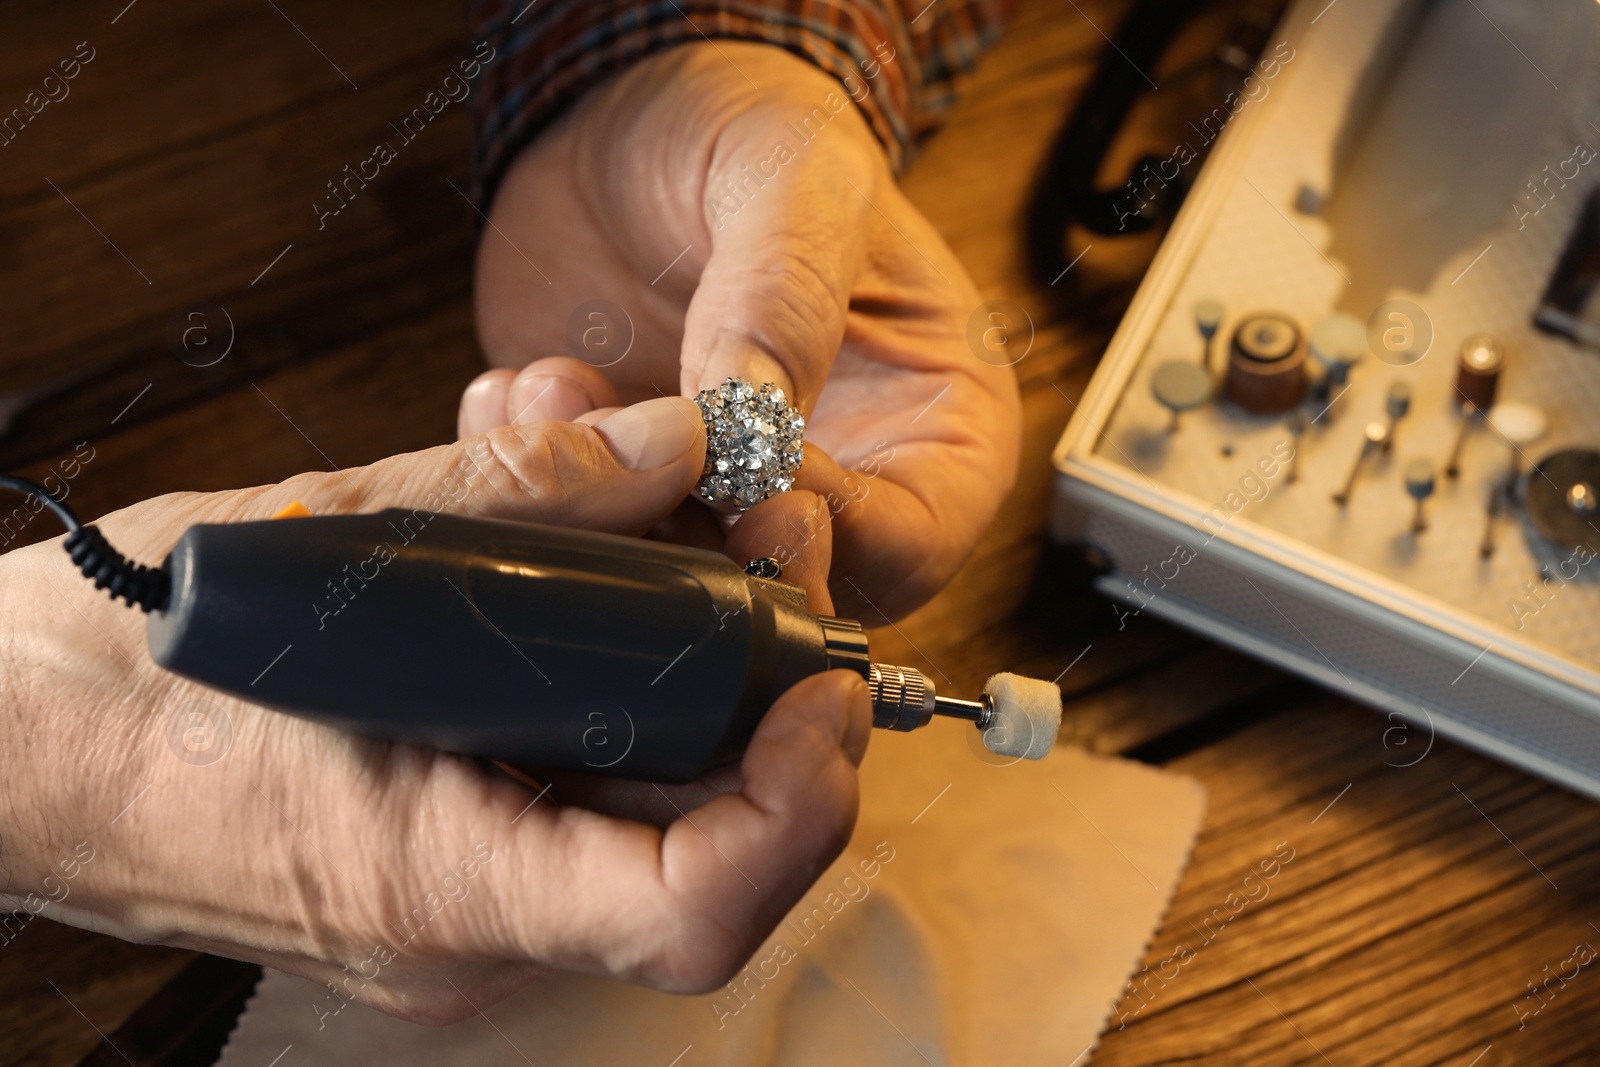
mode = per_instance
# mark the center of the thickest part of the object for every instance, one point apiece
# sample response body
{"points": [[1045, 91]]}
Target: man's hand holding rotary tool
{"points": [[754, 159]]}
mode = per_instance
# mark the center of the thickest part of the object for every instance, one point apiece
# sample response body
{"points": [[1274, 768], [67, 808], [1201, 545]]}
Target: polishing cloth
{"points": [[987, 912]]}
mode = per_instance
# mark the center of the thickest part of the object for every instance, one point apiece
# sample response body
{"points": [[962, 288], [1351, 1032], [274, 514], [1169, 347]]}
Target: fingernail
{"points": [[655, 433], [536, 399], [483, 404], [734, 355], [855, 710]]}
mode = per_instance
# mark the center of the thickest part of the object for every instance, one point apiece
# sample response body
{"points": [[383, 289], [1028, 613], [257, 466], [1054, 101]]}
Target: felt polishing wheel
{"points": [[1563, 499], [1027, 716]]}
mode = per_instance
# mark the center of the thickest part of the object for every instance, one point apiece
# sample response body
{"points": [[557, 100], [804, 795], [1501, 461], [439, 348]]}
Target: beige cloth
{"points": [[986, 914]]}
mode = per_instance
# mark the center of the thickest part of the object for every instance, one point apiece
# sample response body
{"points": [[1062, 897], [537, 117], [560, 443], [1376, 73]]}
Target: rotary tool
{"points": [[532, 645]]}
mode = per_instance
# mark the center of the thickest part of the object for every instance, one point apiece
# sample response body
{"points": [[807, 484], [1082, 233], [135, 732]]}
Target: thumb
{"points": [[682, 909], [622, 474], [788, 238]]}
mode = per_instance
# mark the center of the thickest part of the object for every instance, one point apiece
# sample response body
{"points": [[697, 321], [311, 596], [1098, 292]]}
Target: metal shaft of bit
{"points": [[977, 711], [1397, 403], [1207, 318], [1419, 482], [903, 698], [1376, 434], [1513, 475], [1491, 513], [1469, 418], [1343, 495], [1297, 430]]}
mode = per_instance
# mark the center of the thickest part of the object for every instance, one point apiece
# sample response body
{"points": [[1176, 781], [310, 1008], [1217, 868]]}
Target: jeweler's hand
{"points": [[139, 804], [733, 209]]}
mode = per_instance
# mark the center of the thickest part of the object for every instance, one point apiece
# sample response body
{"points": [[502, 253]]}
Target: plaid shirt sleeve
{"points": [[541, 55]]}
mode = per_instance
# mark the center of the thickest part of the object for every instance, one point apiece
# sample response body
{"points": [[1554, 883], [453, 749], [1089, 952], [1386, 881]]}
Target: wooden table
{"points": [[1422, 900]]}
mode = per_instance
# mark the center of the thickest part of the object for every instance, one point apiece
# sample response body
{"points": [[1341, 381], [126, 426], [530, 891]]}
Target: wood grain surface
{"points": [[1423, 895]]}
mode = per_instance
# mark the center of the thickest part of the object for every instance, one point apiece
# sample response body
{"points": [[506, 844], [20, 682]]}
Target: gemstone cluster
{"points": [[754, 442]]}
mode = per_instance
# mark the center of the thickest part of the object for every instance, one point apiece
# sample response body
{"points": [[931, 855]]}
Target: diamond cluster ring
{"points": [[754, 442]]}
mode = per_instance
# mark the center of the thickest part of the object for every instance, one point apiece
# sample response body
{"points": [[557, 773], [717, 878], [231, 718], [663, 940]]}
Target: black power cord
{"points": [[1068, 190], [1070, 193], [147, 588]]}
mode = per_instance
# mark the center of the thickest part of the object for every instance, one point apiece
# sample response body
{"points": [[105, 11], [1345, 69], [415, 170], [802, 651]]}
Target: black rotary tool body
{"points": [[530, 644], [552, 648]]}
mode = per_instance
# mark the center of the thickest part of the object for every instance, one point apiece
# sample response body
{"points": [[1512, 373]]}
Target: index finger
{"points": [[788, 241]]}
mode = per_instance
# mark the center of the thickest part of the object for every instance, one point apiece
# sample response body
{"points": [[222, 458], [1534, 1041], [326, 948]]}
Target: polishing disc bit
{"points": [[1563, 499]]}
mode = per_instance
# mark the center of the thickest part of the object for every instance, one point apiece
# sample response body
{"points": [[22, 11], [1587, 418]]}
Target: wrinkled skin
{"points": [[307, 848], [823, 279]]}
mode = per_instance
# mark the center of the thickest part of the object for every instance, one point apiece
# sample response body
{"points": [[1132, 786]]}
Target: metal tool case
{"points": [[1396, 167]]}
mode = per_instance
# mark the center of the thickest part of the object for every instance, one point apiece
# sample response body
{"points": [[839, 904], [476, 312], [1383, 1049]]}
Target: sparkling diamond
{"points": [[753, 442]]}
